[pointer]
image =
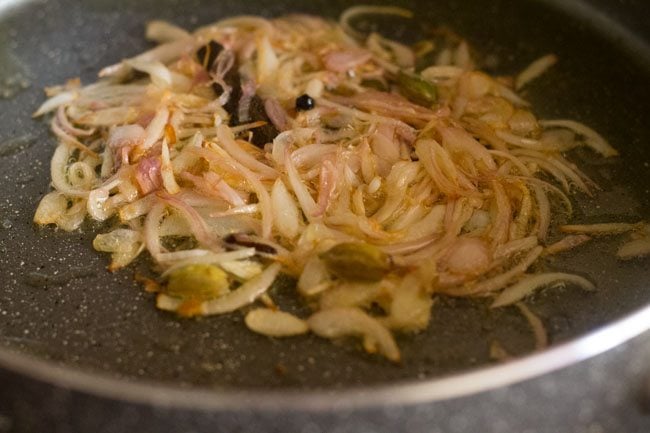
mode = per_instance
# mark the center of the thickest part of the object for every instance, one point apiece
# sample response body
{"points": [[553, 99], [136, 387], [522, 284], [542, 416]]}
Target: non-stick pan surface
{"points": [[58, 303]]}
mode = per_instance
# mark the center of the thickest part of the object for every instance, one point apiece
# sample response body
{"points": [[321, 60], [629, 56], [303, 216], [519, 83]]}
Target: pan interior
{"points": [[59, 304]]}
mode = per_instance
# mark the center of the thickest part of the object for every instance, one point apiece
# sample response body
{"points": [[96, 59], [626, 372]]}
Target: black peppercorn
{"points": [[305, 102]]}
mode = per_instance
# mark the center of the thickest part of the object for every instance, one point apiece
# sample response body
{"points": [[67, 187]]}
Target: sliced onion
{"points": [[530, 283], [592, 138], [286, 216], [155, 129], [314, 277], [168, 303], [162, 31], [436, 73], [410, 247], [125, 245], [164, 53], [248, 88], [462, 56], [311, 154], [197, 224], [275, 323], [343, 322], [179, 259], [511, 248], [634, 248], [267, 60], [345, 60], [467, 256], [109, 116], [263, 196], [401, 175], [244, 295], [97, 205], [357, 11], [458, 139], [276, 114], [541, 337], [305, 199], [81, 175], [72, 218], [227, 142], [499, 281], [125, 135], [388, 105], [242, 269], [350, 294], [501, 222], [50, 207], [147, 175], [433, 156], [137, 208], [55, 102], [166, 171], [515, 140], [70, 140], [160, 75], [65, 124], [152, 229], [566, 243], [410, 308], [603, 229], [544, 212], [534, 70]]}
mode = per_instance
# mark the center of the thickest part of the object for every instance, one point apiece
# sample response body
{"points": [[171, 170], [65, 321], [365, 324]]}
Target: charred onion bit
{"points": [[244, 240], [263, 134], [207, 56], [208, 53]]}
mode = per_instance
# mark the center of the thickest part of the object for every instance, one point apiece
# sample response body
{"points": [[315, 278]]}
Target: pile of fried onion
{"points": [[376, 174]]}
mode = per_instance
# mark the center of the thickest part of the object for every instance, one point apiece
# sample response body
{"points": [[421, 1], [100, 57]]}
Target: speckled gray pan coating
{"points": [[58, 303]]}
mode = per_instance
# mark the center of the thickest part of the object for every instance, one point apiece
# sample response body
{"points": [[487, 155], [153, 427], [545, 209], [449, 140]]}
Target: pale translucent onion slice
{"points": [[314, 277], [566, 243], [604, 229], [50, 208], [275, 323], [499, 281], [633, 249], [592, 138], [345, 322], [124, 244], [539, 331], [534, 70], [162, 31], [530, 283], [410, 308], [55, 102], [178, 259], [358, 11], [166, 170], [242, 269], [244, 295], [286, 215]]}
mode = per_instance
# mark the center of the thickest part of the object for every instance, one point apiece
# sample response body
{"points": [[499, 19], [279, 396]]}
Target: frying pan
{"points": [[82, 349]]}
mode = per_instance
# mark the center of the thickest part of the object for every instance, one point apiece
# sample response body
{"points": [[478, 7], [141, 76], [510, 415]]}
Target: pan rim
{"points": [[483, 379]]}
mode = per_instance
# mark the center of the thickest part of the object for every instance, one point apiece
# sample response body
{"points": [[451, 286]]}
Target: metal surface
{"points": [[584, 398], [58, 305]]}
